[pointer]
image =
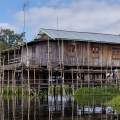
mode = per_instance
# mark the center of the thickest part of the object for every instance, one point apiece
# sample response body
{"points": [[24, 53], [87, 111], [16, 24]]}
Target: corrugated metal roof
{"points": [[81, 36]]}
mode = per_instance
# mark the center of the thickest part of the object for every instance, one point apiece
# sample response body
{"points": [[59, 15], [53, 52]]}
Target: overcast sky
{"points": [[81, 15]]}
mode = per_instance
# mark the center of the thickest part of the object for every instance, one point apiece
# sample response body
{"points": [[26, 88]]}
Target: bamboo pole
{"points": [[3, 113], [39, 81], [35, 108], [48, 66], [1, 72], [28, 71], [22, 110], [62, 67], [8, 82], [3, 75], [28, 115], [8, 107], [28, 81], [72, 81], [88, 53], [14, 80], [8, 76], [13, 106], [34, 80], [101, 65], [22, 81], [76, 54]]}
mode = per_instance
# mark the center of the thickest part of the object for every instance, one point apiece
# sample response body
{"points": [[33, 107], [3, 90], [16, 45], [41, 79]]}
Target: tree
{"points": [[8, 38], [2, 45]]}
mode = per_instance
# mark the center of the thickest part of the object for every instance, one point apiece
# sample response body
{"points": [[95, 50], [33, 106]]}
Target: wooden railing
{"points": [[69, 62]]}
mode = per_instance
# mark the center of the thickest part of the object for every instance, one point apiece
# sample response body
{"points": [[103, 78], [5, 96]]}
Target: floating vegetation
{"points": [[20, 91], [115, 103], [95, 95]]}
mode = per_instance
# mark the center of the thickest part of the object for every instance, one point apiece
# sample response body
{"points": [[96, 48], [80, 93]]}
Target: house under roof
{"points": [[81, 36]]}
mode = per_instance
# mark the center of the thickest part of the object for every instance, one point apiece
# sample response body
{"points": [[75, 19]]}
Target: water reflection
{"points": [[52, 108]]}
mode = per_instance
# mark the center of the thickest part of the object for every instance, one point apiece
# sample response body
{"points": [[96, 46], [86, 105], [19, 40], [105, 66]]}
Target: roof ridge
{"points": [[79, 31]]}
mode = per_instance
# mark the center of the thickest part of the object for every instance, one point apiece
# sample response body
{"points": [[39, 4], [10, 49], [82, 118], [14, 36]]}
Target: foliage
{"points": [[2, 45], [19, 91], [95, 95], [9, 38], [115, 103]]}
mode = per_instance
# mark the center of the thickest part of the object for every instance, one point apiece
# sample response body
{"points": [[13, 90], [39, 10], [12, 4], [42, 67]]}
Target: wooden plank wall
{"points": [[74, 53]]}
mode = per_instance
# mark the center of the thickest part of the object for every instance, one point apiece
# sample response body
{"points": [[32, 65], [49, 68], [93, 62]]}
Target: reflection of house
{"points": [[82, 57], [95, 110]]}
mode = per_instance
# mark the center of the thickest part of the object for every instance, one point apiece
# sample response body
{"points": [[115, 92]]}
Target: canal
{"points": [[53, 108]]}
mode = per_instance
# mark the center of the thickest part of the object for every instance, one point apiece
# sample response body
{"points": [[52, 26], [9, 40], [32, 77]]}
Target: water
{"points": [[52, 108]]}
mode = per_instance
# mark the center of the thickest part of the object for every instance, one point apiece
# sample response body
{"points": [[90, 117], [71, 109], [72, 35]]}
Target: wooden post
{"points": [[14, 79], [28, 71], [88, 77], [22, 110], [72, 81], [2, 109], [3, 76], [34, 81], [22, 77], [62, 67], [1, 72], [8, 76], [77, 75], [28, 81], [8, 86], [48, 66], [39, 80], [8, 107], [101, 66], [28, 108], [13, 106]]}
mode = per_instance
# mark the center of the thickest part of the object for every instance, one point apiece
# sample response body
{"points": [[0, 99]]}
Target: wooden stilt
{"points": [[13, 106], [48, 66], [101, 67], [62, 67], [39, 81], [28, 108], [72, 82], [22, 81], [34, 81], [88, 75], [3, 76], [28, 81], [8, 86], [14, 79]]}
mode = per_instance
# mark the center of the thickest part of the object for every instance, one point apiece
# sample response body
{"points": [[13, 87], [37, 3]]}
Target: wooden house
{"points": [[63, 57]]}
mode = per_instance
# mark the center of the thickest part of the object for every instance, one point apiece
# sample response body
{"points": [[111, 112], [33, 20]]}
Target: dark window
{"points": [[95, 51], [116, 53]]}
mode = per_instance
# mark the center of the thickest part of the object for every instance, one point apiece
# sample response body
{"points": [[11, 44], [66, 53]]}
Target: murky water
{"points": [[52, 108]]}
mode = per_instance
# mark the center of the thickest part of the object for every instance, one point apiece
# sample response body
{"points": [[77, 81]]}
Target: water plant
{"points": [[95, 95], [20, 91], [115, 103]]}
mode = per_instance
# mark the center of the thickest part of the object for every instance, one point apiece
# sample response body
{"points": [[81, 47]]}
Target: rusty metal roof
{"points": [[81, 36]]}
